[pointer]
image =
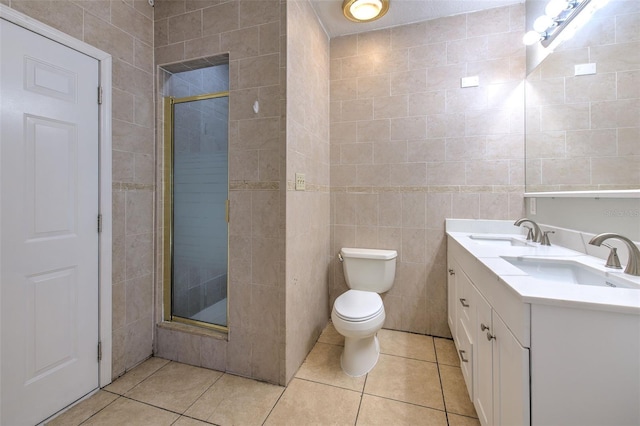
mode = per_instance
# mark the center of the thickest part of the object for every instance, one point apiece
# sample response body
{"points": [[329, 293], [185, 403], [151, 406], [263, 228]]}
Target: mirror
{"points": [[583, 106]]}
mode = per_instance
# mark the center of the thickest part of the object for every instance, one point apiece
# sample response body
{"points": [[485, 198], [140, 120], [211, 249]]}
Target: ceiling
{"points": [[400, 12]]}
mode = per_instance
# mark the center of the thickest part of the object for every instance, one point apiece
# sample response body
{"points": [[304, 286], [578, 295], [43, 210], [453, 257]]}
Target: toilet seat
{"points": [[358, 305]]}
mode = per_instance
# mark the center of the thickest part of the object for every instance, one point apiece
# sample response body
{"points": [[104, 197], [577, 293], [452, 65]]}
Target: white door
{"points": [[48, 225]]}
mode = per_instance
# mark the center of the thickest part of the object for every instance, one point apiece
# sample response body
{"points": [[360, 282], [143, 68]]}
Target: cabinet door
{"points": [[465, 353], [483, 357], [510, 377]]}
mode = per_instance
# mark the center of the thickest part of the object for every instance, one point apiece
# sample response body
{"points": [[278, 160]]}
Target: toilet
{"points": [[358, 314]]}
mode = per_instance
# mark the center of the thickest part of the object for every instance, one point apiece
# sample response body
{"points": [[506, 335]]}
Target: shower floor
{"points": [[214, 314]]}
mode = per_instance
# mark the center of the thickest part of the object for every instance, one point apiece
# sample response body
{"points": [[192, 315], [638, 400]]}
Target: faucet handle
{"points": [[612, 261], [530, 236], [545, 238]]}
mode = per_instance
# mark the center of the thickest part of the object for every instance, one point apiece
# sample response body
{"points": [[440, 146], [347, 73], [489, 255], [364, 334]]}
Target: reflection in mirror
{"points": [[583, 107]]}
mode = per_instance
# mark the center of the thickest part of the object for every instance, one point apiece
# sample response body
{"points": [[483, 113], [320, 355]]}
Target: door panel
{"points": [[49, 208], [51, 176], [483, 358], [510, 377]]}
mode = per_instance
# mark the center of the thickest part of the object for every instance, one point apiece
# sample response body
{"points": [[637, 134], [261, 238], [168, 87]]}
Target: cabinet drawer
{"points": [[464, 299]]}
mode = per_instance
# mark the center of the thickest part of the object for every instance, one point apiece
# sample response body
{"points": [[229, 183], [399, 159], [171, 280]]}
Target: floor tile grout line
{"points": [[150, 405], [140, 402], [277, 401], [328, 384], [444, 400], [94, 414], [193, 418], [364, 386], [408, 357], [171, 411], [406, 402], [205, 391], [143, 380], [372, 394]]}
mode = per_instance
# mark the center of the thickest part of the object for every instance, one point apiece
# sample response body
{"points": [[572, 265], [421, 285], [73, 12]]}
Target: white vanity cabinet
{"points": [[494, 363], [540, 352]]}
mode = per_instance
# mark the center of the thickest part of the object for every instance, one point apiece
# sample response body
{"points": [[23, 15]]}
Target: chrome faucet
{"points": [[537, 235], [633, 266], [545, 238]]}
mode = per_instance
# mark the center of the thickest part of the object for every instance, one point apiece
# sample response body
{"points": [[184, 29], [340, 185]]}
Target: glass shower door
{"points": [[199, 213]]}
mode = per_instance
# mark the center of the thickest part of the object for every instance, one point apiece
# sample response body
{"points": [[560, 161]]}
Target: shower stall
{"points": [[196, 202]]}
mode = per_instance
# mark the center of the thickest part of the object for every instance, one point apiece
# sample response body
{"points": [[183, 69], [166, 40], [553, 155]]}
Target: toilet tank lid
{"points": [[363, 253]]}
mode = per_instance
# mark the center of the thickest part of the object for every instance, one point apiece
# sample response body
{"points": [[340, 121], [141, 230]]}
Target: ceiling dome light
{"points": [[364, 10]]}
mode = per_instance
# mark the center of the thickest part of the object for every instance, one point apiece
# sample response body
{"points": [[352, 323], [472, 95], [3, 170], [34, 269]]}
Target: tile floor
{"points": [[417, 380]]}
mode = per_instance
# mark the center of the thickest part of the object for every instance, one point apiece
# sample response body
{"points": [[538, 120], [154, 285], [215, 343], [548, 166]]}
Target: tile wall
{"points": [[307, 213], [253, 35], [583, 131], [123, 29], [409, 147]]}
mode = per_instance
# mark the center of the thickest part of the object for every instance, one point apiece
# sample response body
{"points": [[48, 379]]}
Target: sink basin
{"points": [[569, 272], [499, 241]]}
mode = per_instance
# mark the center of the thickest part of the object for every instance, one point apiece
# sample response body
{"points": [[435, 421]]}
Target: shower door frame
{"points": [[167, 297]]}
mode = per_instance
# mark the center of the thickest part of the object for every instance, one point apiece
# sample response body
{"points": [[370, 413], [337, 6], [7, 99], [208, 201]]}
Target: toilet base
{"points": [[360, 355]]}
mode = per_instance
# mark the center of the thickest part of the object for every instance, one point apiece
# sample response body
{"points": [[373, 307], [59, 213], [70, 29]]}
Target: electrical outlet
{"points": [[300, 183]]}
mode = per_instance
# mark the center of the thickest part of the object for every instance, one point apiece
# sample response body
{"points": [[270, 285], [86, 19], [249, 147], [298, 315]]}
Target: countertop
{"points": [[537, 291]]}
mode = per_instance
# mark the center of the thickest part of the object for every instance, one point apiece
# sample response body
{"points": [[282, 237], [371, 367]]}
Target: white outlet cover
{"points": [[470, 81], [585, 69]]}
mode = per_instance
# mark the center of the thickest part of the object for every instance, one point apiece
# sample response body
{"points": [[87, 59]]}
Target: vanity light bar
{"points": [[562, 20], [558, 15]]}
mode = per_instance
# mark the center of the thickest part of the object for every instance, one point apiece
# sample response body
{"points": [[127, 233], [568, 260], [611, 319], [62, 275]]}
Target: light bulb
{"points": [[531, 37], [555, 8], [542, 23], [365, 10]]}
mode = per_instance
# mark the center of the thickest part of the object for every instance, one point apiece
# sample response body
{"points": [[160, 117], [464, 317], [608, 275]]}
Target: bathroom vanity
{"points": [[542, 336]]}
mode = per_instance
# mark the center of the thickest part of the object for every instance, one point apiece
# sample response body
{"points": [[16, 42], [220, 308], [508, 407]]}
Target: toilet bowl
{"points": [[358, 314]]}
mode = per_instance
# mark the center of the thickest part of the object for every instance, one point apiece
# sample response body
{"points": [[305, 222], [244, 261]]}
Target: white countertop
{"points": [[538, 291]]}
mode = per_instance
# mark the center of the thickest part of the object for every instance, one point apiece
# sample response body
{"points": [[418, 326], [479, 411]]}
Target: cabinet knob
{"points": [[490, 337], [483, 327], [464, 303], [462, 358], [452, 272]]}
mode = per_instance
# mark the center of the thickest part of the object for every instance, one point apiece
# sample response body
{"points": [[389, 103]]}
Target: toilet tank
{"points": [[369, 269]]}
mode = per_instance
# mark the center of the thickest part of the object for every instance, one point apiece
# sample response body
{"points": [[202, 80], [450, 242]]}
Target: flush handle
{"points": [[462, 358], [464, 303]]}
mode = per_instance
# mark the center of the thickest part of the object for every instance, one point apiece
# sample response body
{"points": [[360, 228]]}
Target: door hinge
{"points": [[99, 95], [99, 223], [99, 351]]}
